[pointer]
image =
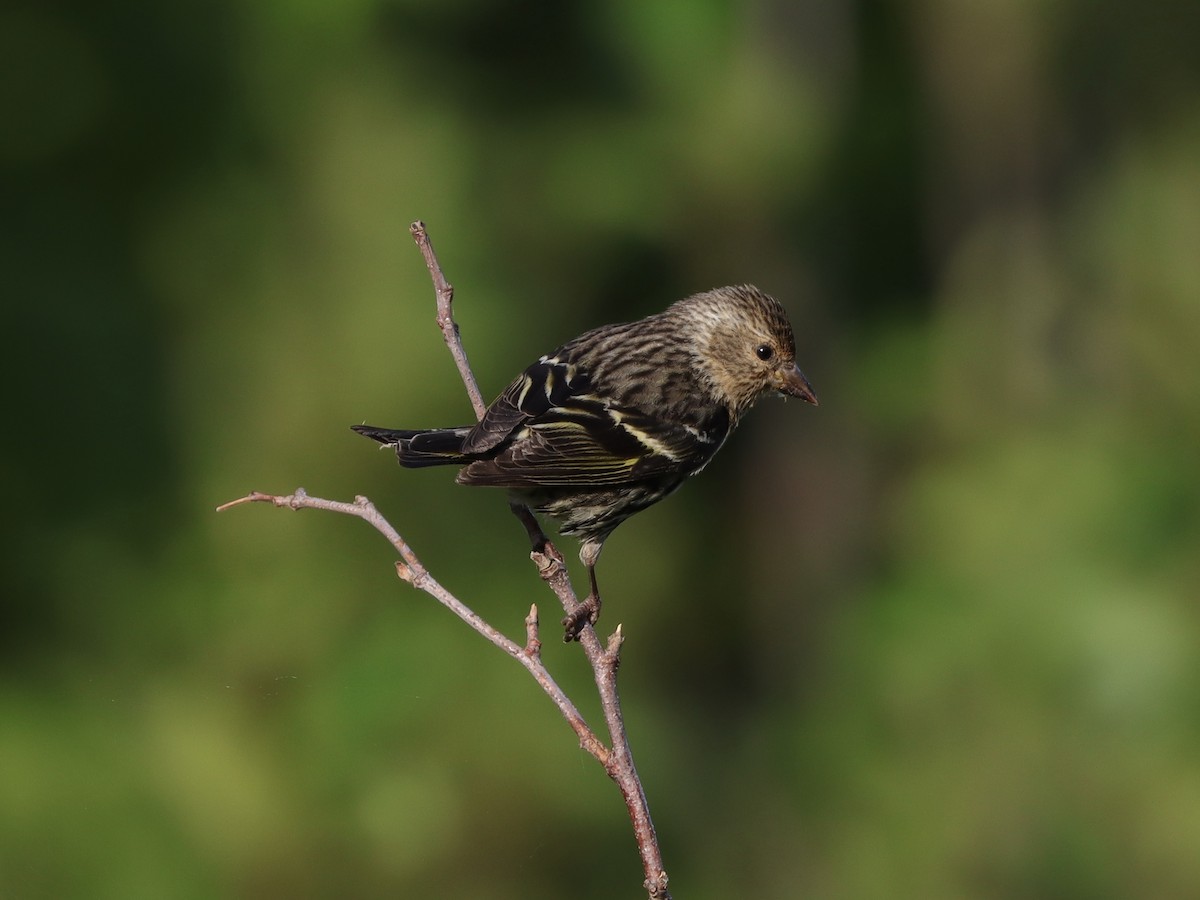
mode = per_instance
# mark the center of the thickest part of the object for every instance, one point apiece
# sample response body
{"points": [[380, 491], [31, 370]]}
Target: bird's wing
{"points": [[586, 442], [548, 383]]}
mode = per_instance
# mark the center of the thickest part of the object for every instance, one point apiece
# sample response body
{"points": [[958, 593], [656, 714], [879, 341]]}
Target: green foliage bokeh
{"points": [[938, 638]]}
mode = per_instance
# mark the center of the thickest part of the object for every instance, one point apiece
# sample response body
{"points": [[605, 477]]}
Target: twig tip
{"points": [[533, 644], [615, 640]]}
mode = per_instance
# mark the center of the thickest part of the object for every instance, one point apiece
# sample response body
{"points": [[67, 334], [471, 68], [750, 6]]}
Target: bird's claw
{"points": [[586, 613]]}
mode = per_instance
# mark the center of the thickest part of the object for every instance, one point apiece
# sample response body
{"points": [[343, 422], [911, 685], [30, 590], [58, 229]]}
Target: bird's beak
{"points": [[793, 383]]}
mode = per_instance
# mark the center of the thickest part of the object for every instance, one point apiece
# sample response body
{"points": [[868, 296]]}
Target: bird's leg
{"points": [[586, 613], [538, 541]]}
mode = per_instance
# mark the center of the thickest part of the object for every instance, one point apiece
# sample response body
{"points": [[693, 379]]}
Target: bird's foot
{"points": [[586, 613], [546, 557], [538, 541]]}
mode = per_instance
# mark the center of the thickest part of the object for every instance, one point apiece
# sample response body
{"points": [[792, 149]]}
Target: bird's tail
{"points": [[426, 447]]}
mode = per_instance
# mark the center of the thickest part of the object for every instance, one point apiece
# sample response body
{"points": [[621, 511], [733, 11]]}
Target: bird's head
{"points": [[743, 345]]}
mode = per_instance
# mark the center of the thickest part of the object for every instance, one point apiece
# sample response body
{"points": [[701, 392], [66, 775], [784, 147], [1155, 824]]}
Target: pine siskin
{"points": [[615, 420]]}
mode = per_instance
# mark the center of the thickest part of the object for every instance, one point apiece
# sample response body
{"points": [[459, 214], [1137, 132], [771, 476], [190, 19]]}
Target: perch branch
{"points": [[604, 659]]}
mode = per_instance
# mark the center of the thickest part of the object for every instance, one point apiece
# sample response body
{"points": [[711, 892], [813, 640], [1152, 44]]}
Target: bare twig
{"points": [[533, 644], [620, 768], [409, 568], [445, 316], [617, 760], [604, 661]]}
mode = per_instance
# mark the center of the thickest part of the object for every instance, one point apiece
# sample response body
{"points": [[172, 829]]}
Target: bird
{"points": [[615, 420]]}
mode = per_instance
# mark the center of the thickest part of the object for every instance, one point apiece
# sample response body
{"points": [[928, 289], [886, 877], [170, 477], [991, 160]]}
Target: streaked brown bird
{"points": [[615, 420]]}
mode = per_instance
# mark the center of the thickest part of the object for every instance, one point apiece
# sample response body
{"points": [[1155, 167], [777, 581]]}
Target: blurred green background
{"points": [[938, 638]]}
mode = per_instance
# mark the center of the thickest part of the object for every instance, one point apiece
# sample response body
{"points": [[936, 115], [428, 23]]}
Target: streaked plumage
{"points": [[615, 420]]}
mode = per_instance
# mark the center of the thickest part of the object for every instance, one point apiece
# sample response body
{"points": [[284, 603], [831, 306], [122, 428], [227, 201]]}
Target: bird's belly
{"points": [[592, 513]]}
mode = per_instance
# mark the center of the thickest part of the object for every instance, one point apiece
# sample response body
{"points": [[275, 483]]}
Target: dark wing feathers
{"points": [[551, 453], [555, 427], [502, 418], [586, 443], [545, 385]]}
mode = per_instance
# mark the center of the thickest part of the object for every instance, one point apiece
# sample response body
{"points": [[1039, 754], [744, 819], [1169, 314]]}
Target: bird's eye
{"points": [[765, 351]]}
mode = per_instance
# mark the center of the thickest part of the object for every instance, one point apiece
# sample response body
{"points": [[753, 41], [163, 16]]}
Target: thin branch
{"points": [[445, 316], [604, 660], [553, 571], [410, 568], [533, 644]]}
